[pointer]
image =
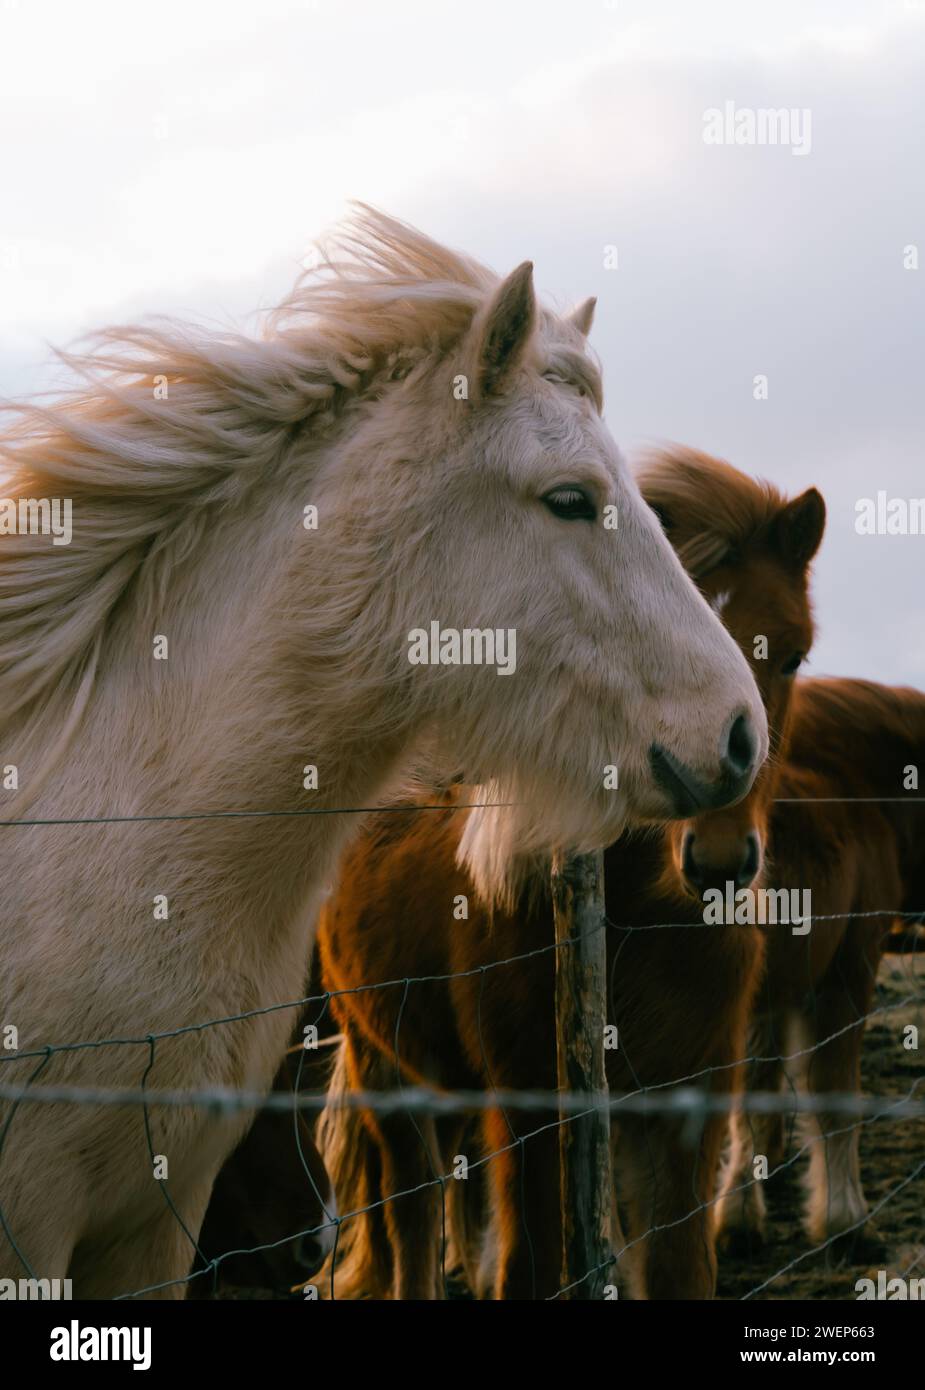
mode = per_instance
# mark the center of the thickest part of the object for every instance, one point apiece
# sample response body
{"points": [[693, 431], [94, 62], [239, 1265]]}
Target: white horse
{"points": [[208, 643]]}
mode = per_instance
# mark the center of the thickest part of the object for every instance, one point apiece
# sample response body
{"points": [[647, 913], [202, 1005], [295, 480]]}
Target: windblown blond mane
{"points": [[142, 473], [709, 507]]}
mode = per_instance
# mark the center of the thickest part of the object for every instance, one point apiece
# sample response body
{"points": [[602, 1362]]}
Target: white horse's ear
{"points": [[503, 329], [583, 317]]}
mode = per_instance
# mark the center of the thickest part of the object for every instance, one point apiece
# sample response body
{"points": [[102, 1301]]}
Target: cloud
{"points": [[180, 160]]}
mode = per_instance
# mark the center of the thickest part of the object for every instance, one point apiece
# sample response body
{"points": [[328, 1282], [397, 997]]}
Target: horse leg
{"points": [[159, 1252], [451, 1138], [668, 1180], [45, 1241], [836, 1201], [741, 1209], [525, 1201], [410, 1164], [41, 1222]]}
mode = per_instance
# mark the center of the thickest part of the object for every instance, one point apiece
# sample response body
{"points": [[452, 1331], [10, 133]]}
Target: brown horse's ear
{"points": [[503, 329], [582, 317], [798, 528]]}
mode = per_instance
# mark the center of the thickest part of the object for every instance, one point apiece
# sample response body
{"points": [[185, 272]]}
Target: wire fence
{"points": [[687, 1095]]}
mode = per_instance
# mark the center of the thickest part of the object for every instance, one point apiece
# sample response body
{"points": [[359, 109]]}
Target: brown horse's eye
{"points": [[791, 667]]}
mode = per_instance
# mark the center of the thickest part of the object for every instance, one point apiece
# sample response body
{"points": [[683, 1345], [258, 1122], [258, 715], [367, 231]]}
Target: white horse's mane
{"points": [[138, 469]]}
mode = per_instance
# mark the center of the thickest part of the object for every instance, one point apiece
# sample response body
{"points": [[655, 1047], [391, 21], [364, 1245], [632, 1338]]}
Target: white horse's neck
{"points": [[259, 684]]}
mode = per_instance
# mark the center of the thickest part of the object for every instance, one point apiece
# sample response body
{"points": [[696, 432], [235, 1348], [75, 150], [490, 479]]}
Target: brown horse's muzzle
{"points": [[705, 865]]}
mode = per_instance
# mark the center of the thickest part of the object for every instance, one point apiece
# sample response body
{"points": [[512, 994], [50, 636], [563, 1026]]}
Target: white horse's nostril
{"points": [[741, 747]]}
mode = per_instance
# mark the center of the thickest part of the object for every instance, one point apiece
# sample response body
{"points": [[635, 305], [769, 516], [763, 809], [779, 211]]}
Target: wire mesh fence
{"points": [[687, 1096]]}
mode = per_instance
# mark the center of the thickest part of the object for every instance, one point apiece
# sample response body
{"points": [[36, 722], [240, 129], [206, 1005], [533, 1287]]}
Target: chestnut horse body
{"points": [[840, 828]]}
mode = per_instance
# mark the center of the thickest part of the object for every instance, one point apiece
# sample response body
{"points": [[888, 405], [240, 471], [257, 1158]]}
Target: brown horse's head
{"points": [[749, 549]]}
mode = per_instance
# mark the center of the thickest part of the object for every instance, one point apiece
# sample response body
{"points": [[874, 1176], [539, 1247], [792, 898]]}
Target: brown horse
{"points": [[846, 834], [680, 998]]}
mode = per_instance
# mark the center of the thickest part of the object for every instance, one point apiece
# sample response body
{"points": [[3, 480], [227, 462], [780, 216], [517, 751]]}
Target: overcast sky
{"points": [[180, 157]]}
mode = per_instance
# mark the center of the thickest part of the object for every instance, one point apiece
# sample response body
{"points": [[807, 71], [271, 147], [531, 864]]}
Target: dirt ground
{"points": [[891, 1150]]}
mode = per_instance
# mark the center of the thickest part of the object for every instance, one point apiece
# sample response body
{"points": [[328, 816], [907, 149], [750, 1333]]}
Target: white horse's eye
{"points": [[558, 380], [571, 503]]}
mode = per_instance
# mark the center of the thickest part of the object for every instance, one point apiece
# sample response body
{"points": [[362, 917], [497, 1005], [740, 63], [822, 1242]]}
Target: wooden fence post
{"points": [[581, 1015]]}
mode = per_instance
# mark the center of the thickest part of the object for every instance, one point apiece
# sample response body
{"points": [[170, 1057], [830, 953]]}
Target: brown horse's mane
{"points": [[708, 508]]}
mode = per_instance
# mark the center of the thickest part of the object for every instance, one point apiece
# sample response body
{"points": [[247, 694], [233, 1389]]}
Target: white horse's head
{"points": [[550, 635], [485, 573]]}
